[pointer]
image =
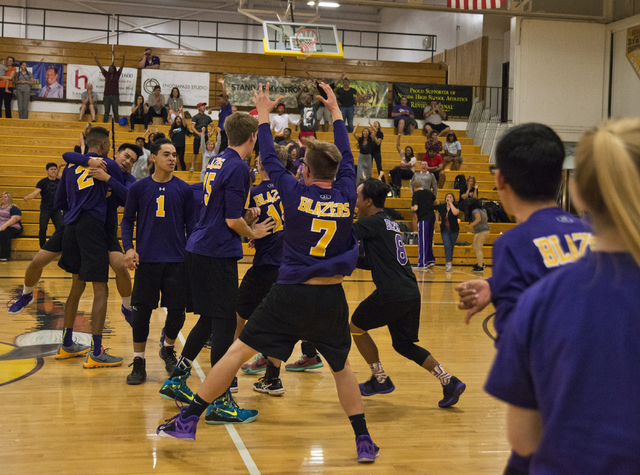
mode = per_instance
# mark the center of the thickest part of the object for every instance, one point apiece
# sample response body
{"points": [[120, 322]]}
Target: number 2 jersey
{"points": [[266, 197], [318, 238]]}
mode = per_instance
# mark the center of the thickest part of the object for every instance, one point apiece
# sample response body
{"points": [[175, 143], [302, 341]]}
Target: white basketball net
{"points": [[307, 41]]}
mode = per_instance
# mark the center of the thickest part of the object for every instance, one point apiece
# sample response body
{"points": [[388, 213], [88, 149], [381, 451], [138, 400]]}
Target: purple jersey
{"points": [[405, 111], [225, 111], [85, 194], [318, 239], [198, 200], [269, 248], [226, 188], [571, 351], [164, 213]]}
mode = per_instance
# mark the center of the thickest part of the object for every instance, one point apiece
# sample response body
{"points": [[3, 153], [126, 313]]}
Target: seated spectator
{"points": [[88, 100], [286, 140], [435, 165], [433, 142], [10, 225], [428, 179], [23, 81], [200, 124], [178, 135], [468, 191], [111, 98], [308, 110], [53, 89], [433, 115], [157, 106], [149, 61], [139, 114], [175, 105], [452, 152], [405, 170], [365, 146], [280, 122], [82, 143], [479, 224], [47, 189], [207, 154], [140, 169], [447, 219], [403, 118]]}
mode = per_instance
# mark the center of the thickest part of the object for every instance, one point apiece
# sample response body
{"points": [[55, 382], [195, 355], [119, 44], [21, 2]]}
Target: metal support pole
{"points": [[44, 24], [179, 32]]}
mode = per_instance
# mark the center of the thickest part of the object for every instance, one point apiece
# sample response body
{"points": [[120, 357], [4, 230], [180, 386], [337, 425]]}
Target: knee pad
{"points": [[174, 322], [140, 323], [411, 351]]}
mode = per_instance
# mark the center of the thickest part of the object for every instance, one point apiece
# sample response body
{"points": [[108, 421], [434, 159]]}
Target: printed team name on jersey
{"points": [[327, 209], [552, 253], [392, 226], [216, 164], [266, 198]]}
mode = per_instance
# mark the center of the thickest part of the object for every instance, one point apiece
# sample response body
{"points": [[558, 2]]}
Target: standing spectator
{"points": [[10, 225], [23, 80], [200, 124], [53, 89], [47, 188], [347, 98], [323, 112], [139, 114], [377, 135], [423, 204], [447, 218], [452, 152], [175, 105], [111, 98], [427, 178], [88, 100], [405, 170], [280, 122], [207, 154], [140, 169], [6, 86], [149, 61], [481, 230], [403, 118], [226, 109], [3, 70], [308, 109], [433, 142], [365, 145], [435, 165], [178, 134], [433, 115], [156, 106]]}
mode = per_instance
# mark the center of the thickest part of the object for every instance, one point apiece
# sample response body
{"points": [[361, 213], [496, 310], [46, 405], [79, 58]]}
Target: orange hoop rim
{"points": [[306, 46]]}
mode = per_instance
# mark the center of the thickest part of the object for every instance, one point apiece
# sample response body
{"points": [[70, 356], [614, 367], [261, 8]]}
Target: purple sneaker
{"points": [[452, 392], [179, 428], [162, 335], [127, 313], [367, 450], [371, 387], [21, 302]]}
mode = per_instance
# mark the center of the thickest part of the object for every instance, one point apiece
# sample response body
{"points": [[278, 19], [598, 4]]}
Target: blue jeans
{"points": [[449, 240], [347, 115]]}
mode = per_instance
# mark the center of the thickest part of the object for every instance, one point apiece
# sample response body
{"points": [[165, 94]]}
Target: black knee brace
{"points": [[174, 322], [411, 351], [140, 324]]}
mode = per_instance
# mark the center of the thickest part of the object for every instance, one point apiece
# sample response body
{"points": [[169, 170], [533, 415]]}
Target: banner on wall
{"points": [[239, 88], [633, 48], [456, 101], [79, 75], [193, 87], [47, 79]]}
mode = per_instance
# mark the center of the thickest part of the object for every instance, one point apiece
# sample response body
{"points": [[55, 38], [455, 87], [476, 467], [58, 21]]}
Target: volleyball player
{"points": [[162, 208], [308, 301], [396, 301], [528, 172]]}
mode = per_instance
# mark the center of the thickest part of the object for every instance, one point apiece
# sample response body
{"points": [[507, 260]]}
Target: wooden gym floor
{"points": [[61, 418]]}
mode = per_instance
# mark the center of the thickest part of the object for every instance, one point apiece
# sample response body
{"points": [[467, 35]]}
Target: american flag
{"points": [[475, 4]]}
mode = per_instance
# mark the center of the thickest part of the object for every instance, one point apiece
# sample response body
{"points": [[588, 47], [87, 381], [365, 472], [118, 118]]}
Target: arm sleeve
{"points": [[75, 158], [414, 199], [120, 190], [366, 227], [293, 121], [363, 263], [235, 193], [284, 181], [346, 176], [15, 211], [189, 211], [129, 218]]}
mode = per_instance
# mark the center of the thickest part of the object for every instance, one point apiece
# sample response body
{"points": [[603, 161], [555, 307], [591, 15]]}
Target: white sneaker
{"points": [[448, 268], [191, 169]]}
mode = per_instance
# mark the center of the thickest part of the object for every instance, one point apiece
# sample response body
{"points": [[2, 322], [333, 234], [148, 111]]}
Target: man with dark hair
{"points": [[200, 124], [322, 112], [308, 109], [111, 98], [225, 111], [348, 98], [396, 301], [435, 165], [280, 122], [149, 61], [140, 169], [47, 188], [528, 171], [53, 89], [157, 106]]}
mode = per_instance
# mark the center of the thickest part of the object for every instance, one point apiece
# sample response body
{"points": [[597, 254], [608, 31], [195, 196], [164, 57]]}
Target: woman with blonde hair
{"points": [[10, 225]]}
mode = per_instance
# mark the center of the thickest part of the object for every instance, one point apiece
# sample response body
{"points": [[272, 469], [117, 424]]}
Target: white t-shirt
{"points": [[452, 147], [412, 161], [434, 119], [281, 122]]}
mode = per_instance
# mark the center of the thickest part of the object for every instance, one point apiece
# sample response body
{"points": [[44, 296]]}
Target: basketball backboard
{"points": [[301, 39]]}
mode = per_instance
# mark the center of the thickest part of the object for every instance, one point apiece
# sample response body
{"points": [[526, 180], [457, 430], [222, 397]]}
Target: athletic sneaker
{"points": [[162, 335], [305, 363], [179, 428], [176, 388], [103, 360], [20, 303], [168, 355], [477, 268], [430, 264], [225, 410], [127, 313], [76, 349], [448, 268], [367, 450], [209, 342], [452, 392], [272, 387], [138, 374], [258, 365], [371, 387], [234, 385]]}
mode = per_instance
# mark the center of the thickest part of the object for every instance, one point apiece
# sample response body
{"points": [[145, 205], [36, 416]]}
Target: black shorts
{"points": [[214, 285], [402, 318], [254, 288], [436, 174], [54, 243], [153, 278], [294, 312], [84, 249], [438, 127], [113, 244], [197, 142]]}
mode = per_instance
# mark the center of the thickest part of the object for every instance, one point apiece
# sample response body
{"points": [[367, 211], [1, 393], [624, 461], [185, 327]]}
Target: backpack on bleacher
{"points": [[496, 213], [459, 182]]}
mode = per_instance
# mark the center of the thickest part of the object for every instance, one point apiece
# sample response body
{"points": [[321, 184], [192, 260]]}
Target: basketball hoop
{"points": [[306, 40]]}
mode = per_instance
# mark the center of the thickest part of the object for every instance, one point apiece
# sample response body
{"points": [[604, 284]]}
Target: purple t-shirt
{"points": [[269, 248], [405, 110], [225, 111], [318, 237]]}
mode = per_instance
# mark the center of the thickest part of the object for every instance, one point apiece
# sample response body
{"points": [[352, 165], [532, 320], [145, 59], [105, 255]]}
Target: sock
{"points": [[27, 290], [441, 374], [126, 302], [138, 354], [67, 337], [359, 425], [184, 363], [196, 408], [167, 345], [308, 350], [96, 344], [378, 372], [273, 372]]}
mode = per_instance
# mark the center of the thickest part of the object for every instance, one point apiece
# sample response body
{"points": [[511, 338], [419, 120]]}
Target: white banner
{"points": [[79, 75], [194, 87]]}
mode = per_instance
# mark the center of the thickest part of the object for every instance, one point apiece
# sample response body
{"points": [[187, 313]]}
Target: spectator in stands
{"points": [[149, 61], [296, 161], [287, 141], [308, 109], [111, 98], [23, 81], [82, 142], [365, 145], [405, 170], [53, 89], [427, 178], [200, 124], [435, 165], [433, 142], [226, 109], [47, 189], [10, 225], [175, 105], [480, 227], [157, 106], [433, 116], [347, 98], [88, 100], [139, 114], [423, 205], [280, 122], [322, 112], [140, 169], [403, 118], [376, 152], [3, 70], [6, 86], [452, 152], [468, 192], [178, 135], [207, 154], [447, 218]]}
